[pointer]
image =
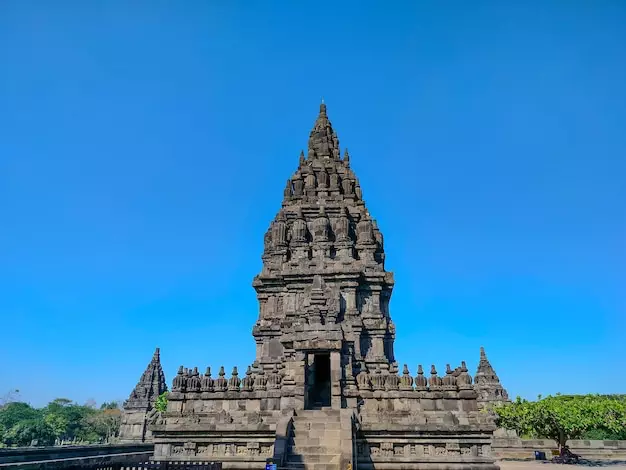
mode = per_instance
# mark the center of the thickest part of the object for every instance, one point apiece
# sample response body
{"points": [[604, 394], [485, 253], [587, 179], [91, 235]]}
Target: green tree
{"points": [[21, 424], [31, 431], [161, 402], [105, 425], [15, 412], [69, 421], [564, 417]]}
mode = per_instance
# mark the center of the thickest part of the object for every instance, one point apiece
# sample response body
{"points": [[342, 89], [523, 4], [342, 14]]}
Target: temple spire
{"points": [[323, 141], [487, 383], [150, 385]]}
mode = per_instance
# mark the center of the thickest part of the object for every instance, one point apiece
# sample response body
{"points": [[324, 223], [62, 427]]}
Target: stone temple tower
{"points": [[487, 384], [324, 389], [323, 291], [139, 408]]}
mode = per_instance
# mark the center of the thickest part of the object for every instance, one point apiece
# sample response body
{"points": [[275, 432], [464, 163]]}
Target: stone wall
{"points": [[428, 428], [516, 448], [73, 456]]}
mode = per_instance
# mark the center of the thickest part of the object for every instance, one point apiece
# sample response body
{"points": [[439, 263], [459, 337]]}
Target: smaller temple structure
{"points": [[139, 408], [487, 384]]}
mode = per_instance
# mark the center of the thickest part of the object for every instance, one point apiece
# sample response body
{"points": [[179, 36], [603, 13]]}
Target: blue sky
{"points": [[144, 147]]}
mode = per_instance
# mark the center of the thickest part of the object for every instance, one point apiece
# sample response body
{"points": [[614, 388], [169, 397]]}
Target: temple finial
{"points": [[323, 141]]}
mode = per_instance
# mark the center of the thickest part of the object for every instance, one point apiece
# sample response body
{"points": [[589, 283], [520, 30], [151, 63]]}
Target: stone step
{"points": [[310, 466], [313, 458], [316, 425], [317, 432], [319, 436], [315, 422], [317, 414], [313, 449], [305, 440]]}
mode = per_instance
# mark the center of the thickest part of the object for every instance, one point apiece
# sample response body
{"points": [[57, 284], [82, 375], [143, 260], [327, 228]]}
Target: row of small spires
{"points": [[307, 184], [311, 154], [365, 231], [453, 380], [190, 380]]}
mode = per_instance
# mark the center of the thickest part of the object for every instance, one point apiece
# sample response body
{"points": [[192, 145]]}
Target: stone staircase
{"points": [[315, 441]]}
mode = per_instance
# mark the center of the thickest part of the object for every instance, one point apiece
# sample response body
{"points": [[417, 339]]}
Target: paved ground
{"points": [[537, 465]]}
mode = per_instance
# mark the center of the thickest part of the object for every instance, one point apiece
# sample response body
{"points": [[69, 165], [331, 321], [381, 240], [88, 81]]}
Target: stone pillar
{"points": [[351, 301], [335, 380]]}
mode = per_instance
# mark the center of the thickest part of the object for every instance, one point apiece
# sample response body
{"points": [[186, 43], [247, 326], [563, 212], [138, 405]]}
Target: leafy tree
{"points": [[161, 402], [57, 423], [106, 424], [21, 424], [564, 417], [14, 413], [28, 432], [68, 419]]}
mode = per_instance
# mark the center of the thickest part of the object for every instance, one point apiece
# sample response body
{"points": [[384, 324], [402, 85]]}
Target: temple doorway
{"points": [[318, 382]]}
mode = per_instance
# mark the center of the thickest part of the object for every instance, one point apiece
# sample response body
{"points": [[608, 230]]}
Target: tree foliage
{"points": [[564, 417], [59, 420], [161, 402]]}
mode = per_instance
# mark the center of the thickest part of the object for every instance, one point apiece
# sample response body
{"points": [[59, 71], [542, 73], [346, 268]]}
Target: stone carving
{"points": [[221, 384], [299, 228], [321, 226], [420, 381], [224, 417], [406, 382], [463, 379], [189, 449], [449, 381], [342, 226], [193, 383], [234, 382], [206, 384], [179, 383], [260, 381], [392, 381], [247, 383], [378, 381], [274, 379], [363, 380], [386, 449], [435, 382], [279, 230], [365, 234]]}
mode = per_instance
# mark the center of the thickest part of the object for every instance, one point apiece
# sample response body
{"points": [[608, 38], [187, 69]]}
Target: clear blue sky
{"points": [[144, 148]]}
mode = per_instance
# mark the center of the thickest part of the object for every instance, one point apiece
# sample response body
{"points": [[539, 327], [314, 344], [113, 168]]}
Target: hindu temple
{"points": [[325, 389]]}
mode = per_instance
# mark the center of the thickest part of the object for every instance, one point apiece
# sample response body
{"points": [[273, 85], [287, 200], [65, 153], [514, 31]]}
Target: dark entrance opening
{"points": [[319, 381]]}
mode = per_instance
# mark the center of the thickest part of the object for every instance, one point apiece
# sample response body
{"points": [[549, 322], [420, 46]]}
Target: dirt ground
{"points": [[538, 465]]}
